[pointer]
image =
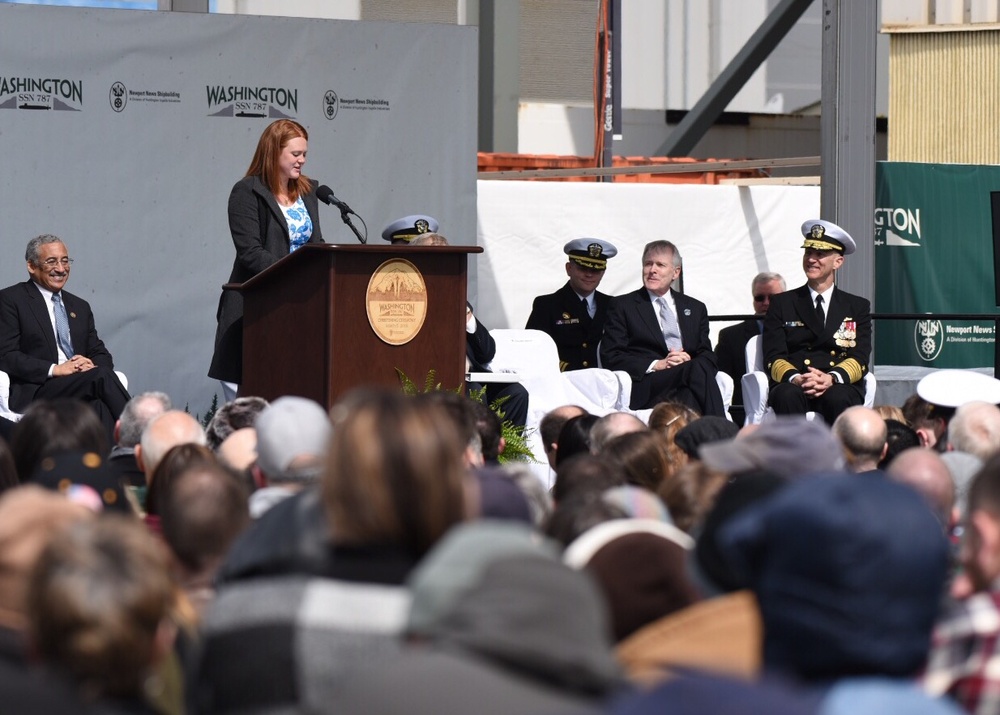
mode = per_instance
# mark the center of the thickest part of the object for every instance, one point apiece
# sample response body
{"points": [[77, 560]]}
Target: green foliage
{"points": [[515, 437], [212, 409]]}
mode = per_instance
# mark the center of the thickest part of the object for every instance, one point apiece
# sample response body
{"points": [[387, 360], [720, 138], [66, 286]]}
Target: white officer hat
{"points": [[409, 227], [953, 388], [827, 236], [590, 252]]}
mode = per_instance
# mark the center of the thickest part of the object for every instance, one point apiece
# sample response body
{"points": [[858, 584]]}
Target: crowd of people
{"points": [[378, 558]]}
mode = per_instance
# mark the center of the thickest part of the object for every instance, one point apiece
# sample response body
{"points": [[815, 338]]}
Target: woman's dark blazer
{"points": [[260, 235]]}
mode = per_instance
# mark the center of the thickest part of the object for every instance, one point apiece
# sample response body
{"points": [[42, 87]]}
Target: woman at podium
{"points": [[272, 211]]}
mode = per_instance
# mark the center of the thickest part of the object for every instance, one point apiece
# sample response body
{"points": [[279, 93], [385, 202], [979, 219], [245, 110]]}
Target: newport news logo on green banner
{"points": [[934, 254]]}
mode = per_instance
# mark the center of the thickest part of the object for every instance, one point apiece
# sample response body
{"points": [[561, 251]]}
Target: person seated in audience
{"points": [[392, 485], [611, 425], [168, 430], [100, 611], [237, 414], [497, 625], [52, 426], [138, 412], [550, 426]]}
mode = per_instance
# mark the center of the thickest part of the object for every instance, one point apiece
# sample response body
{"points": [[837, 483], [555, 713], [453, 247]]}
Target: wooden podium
{"points": [[307, 328]]}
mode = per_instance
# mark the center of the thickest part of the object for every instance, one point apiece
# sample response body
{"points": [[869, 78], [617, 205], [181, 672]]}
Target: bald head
{"points": [[611, 426], [975, 429], [924, 470], [168, 430], [862, 433]]}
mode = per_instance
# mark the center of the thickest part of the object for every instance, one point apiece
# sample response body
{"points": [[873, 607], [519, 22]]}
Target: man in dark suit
{"points": [[574, 315], [731, 348], [660, 338], [480, 349], [48, 342], [817, 338]]}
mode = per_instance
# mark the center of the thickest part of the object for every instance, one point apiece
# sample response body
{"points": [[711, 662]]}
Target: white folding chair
{"points": [[756, 387]]}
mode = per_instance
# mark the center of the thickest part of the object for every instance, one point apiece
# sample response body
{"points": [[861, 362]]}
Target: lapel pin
{"points": [[687, 312], [72, 315]]}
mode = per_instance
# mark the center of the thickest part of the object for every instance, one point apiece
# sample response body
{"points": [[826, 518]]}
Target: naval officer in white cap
{"points": [[818, 338], [574, 315], [404, 230]]}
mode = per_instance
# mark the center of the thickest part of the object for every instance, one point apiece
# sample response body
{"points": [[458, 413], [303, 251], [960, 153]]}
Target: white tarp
{"points": [[725, 234]]}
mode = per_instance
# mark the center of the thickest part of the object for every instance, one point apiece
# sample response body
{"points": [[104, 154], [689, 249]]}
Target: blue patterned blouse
{"points": [[300, 225]]}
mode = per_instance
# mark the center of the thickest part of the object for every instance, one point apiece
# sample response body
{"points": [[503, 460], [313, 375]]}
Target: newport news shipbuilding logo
{"points": [[38, 93], [252, 102]]}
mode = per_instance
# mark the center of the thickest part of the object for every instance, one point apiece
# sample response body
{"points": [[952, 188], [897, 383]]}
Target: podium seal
{"points": [[396, 301]]}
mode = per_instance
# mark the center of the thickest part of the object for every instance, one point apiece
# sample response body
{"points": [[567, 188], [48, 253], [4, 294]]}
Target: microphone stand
{"points": [[345, 215]]}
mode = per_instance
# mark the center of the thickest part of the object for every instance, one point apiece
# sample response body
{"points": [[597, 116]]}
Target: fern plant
{"points": [[515, 437]]}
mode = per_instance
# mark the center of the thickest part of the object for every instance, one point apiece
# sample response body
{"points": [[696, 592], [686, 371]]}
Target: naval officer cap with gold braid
{"points": [[827, 236], [409, 227], [590, 253]]}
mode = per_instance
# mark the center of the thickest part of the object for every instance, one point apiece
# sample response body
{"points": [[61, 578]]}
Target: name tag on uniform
{"points": [[795, 324]]}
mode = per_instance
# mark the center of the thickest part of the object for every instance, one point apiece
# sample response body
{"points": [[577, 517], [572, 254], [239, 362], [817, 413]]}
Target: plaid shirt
{"points": [[965, 654]]}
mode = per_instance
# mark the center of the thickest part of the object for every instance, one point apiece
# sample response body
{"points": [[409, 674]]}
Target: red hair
{"points": [[265, 160]]}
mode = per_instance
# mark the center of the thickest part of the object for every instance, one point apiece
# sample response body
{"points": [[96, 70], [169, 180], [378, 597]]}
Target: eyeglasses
{"points": [[761, 298], [53, 262]]}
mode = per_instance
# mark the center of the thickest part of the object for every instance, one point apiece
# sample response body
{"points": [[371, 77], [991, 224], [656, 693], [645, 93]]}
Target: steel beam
{"points": [[847, 129], [699, 120]]}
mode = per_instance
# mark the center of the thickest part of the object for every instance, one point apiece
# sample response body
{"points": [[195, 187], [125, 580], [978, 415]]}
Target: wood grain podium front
{"points": [[306, 327]]}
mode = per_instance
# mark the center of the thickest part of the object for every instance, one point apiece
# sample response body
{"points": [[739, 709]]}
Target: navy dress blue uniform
{"points": [[564, 316], [797, 339]]}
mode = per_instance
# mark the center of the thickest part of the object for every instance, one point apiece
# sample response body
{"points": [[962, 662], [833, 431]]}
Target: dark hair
{"points": [[459, 409], [395, 472], [178, 459], [241, 412], [578, 514], [203, 512], [490, 430], [8, 471], [898, 437], [574, 437], [52, 426], [585, 473]]}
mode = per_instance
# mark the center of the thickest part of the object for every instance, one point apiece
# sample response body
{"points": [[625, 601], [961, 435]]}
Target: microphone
{"points": [[325, 194]]}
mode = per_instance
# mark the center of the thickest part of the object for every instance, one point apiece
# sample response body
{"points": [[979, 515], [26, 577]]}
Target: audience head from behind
{"points": [[642, 456], [827, 613], [202, 513], [237, 414], [975, 429], [52, 426], [490, 430], [100, 604], [168, 430], [925, 470], [613, 425], [980, 551], [863, 435], [395, 472], [462, 417], [899, 437], [8, 470], [550, 426], [178, 459], [138, 413], [586, 473], [574, 437]]}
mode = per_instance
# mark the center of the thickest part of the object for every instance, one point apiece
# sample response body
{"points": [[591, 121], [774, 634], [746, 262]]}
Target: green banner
{"points": [[934, 254]]}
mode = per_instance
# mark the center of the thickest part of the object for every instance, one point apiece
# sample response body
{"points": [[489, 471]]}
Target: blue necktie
{"points": [[668, 324], [62, 326]]}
